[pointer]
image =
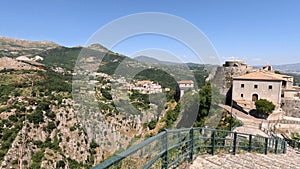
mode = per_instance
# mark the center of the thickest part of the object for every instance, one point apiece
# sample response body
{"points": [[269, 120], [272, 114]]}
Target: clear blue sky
{"points": [[257, 31]]}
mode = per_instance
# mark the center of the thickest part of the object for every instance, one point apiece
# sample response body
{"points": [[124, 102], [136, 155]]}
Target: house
{"points": [[261, 84], [185, 85], [147, 87]]}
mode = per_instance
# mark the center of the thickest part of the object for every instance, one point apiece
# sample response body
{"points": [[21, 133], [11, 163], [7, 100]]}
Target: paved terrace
{"points": [[290, 160]]}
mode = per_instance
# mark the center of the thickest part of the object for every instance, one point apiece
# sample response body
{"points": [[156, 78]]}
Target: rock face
{"points": [[66, 142]]}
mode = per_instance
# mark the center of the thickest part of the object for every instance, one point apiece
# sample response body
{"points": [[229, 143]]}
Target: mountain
{"points": [[40, 117], [14, 47], [288, 68], [39, 126], [98, 47], [148, 59]]}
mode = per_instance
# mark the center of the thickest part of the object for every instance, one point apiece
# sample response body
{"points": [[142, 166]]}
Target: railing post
{"points": [[250, 143], [213, 143], [266, 145], [276, 146], [284, 147], [234, 142], [165, 156], [191, 144], [294, 143]]}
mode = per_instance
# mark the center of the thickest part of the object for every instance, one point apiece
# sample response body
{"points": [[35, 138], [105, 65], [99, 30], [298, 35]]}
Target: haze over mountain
{"points": [[149, 59], [289, 68]]}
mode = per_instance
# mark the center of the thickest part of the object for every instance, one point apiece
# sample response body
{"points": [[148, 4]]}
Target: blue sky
{"points": [[259, 32]]}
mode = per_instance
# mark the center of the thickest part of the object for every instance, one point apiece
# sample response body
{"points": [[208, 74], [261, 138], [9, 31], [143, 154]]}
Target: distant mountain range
{"points": [[149, 59], [285, 68], [14, 48], [152, 60], [288, 68]]}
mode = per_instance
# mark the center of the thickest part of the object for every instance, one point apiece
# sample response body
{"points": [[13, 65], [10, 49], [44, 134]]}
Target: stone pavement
{"points": [[250, 130], [290, 160]]}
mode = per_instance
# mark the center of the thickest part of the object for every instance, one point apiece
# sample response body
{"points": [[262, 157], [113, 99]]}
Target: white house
{"points": [[185, 85]]}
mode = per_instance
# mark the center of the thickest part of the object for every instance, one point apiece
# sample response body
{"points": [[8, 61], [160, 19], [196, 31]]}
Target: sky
{"points": [[258, 32]]}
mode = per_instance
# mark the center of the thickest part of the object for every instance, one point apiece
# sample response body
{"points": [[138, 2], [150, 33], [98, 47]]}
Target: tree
{"points": [[209, 97], [264, 106]]}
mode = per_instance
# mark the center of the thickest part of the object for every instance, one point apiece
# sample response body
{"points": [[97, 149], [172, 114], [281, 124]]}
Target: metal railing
{"points": [[294, 144], [173, 148]]}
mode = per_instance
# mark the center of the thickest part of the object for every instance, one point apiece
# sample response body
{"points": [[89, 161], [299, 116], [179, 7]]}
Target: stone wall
{"points": [[221, 76], [291, 107]]}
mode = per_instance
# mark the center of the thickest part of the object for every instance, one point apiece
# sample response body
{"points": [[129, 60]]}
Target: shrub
{"points": [[152, 124], [60, 164], [264, 106], [36, 117]]}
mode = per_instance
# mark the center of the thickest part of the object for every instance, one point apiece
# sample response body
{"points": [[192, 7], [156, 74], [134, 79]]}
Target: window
{"points": [[255, 86], [270, 87], [242, 95], [242, 85]]}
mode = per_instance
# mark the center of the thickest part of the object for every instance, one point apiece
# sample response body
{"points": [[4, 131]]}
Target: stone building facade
{"points": [[261, 84]]}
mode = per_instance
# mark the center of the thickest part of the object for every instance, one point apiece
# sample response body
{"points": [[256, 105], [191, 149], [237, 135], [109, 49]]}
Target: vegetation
{"points": [[139, 100], [264, 106], [110, 62], [152, 124], [37, 159], [106, 94], [209, 100], [38, 94], [200, 73], [296, 136], [171, 116], [61, 57]]}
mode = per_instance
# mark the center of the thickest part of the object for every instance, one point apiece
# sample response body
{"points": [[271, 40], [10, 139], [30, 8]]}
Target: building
{"points": [[261, 84], [237, 67], [147, 87], [185, 85]]}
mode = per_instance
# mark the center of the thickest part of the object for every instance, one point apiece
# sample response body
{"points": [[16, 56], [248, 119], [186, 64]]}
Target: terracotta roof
{"points": [[261, 76], [185, 82]]}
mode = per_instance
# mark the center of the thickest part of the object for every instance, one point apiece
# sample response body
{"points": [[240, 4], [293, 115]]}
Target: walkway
{"points": [[290, 160], [238, 114]]}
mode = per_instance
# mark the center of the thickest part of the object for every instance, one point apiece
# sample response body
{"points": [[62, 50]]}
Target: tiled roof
{"points": [[259, 75], [185, 82]]}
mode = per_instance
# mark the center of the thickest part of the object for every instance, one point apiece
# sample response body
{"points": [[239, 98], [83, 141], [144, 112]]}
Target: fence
{"points": [[293, 143], [173, 148]]}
